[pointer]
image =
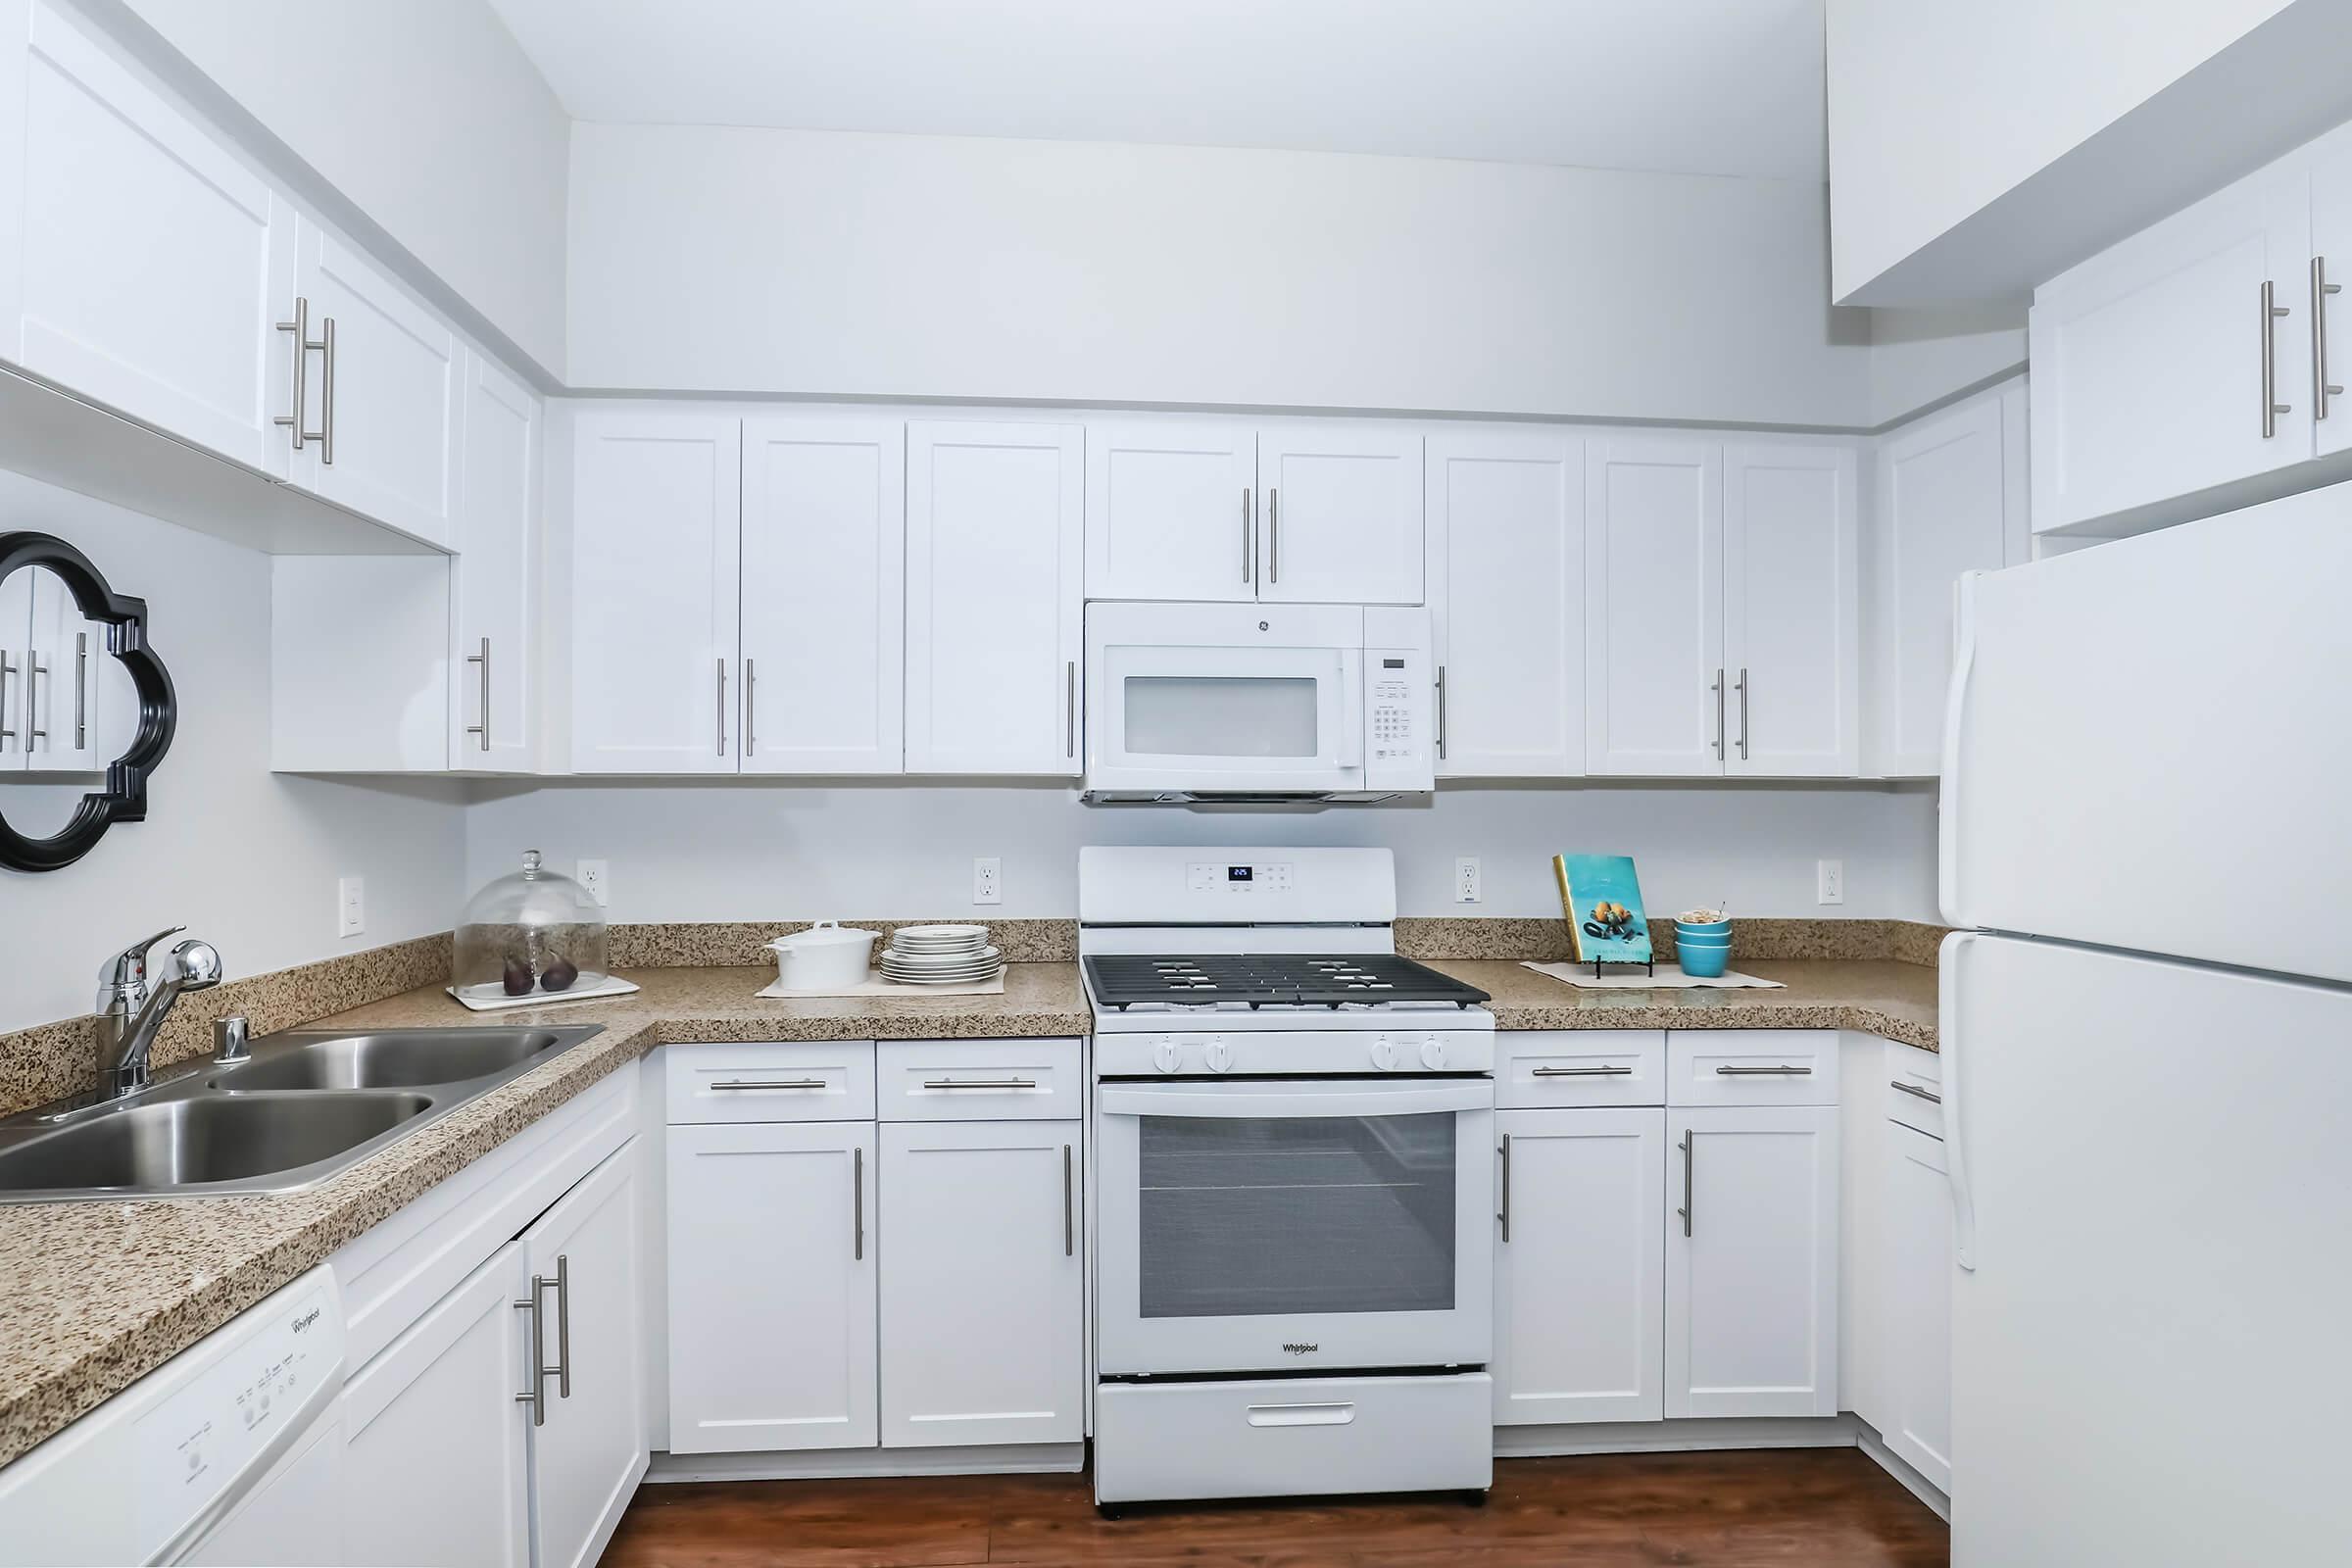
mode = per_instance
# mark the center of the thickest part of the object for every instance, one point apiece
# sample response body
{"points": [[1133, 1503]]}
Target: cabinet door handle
{"points": [[81, 690], [481, 663], [563, 1326], [721, 706], [1440, 712], [1581, 1072], [1248, 533], [536, 1394], [1069, 708], [1742, 687], [2271, 310], [5, 670], [326, 396], [1717, 689], [34, 673], [857, 1204], [1273, 535], [303, 346], [768, 1083], [1751, 1072], [1069, 1207], [751, 706], [1690, 1137], [1505, 1215], [979, 1083], [2321, 389], [1928, 1094]]}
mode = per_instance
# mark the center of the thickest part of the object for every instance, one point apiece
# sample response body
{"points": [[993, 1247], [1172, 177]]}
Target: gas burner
{"points": [[1270, 980]]}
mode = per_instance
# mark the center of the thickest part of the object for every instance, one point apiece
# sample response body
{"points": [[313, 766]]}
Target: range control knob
{"points": [[1433, 1055], [1220, 1056], [1165, 1057], [1384, 1054]]}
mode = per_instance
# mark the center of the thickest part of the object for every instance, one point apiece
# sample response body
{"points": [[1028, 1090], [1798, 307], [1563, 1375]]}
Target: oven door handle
{"points": [[1260, 1099]]}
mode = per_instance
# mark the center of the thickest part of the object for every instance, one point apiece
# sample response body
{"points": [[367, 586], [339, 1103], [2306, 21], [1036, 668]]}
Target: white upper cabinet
{"points": [[1791, 529], [1950, 499], [152, 266], [995, 547], [2330, 317], [824, 574], [1172, 510], [1338, 515], [387, 393], [655, 572], [2156, 370], [494, 696], [81, 710], [1655, 687], [1506, 594]]}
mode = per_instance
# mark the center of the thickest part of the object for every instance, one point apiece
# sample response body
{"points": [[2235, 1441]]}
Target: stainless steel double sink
{"points": [[304, 1107]]}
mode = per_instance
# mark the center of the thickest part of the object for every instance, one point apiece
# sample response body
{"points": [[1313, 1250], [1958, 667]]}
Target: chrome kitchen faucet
{"points": [[129, 1014]]}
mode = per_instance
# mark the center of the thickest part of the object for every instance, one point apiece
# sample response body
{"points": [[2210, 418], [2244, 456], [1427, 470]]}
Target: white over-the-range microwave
{"points": [[1239, 702]]}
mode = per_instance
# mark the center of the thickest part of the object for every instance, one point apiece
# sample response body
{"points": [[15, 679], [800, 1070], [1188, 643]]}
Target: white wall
{"points": [[246, 859], [835, 263], [1918, 356], [424, 114], [743, 850]]}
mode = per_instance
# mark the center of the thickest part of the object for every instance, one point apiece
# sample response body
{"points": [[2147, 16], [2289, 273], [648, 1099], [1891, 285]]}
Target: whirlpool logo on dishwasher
{"points": [[1293, 1347]]}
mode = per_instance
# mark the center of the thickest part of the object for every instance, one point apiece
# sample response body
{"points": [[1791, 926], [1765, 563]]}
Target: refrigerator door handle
{"points": [[1955, 1132], [1955, 725]]}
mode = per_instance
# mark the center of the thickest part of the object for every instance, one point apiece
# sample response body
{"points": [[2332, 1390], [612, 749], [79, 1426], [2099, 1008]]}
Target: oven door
{"points": [[1224, 699], [1262, 1225]]}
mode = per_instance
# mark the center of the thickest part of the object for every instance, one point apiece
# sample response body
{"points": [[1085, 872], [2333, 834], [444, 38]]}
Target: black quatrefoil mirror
{"points": [[82, 694]]}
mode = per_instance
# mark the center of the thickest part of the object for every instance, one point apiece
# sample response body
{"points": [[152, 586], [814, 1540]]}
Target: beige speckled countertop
{"points": [[99, 1293]]}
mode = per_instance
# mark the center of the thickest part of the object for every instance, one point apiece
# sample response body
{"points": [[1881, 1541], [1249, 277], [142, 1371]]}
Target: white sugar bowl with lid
{"points": [[827, 957]]}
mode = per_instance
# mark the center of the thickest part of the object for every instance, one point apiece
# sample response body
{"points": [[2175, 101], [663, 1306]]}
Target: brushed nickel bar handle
{"points": [[536, 1394], [1717, 689], [751, 706], [482, 661], [34, 673], [1248, 533], [1273, 535], [1440, 712], [2270, 406], [1690, 1137], [326, 398], [721, 706], [2321, 389], [81, 692], [857, 1204], [1505, 1215], [1581, 1072], [768, 1083], [563, 1326], [1752, 1072], [1069, 708], [5, 670], [979, 1083], [1929, 1096], [300, 326], [1069, 1222], [1742, 687]]}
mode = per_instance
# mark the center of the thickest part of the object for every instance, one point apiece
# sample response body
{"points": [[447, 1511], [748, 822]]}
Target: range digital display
{"points": [[1238, 873]]}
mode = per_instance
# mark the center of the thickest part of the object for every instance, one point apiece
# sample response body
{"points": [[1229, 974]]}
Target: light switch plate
{"points": [[351, 906], [1829, 881]]}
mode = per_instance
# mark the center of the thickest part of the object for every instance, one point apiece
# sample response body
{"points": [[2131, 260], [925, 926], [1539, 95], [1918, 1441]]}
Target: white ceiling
{"points": [[1686, 86]]}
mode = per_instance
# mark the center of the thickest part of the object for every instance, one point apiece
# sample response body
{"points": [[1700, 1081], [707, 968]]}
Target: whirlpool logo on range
{"points": [[1295, 1347]]}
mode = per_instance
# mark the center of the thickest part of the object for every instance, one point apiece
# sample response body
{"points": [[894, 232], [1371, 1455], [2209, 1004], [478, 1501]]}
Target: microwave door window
{"points": [[1222, 715], [1259, 1217]]}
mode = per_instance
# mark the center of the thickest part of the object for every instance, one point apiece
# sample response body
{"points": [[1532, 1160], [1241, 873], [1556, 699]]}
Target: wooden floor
{"points": [[1815, 1507]]}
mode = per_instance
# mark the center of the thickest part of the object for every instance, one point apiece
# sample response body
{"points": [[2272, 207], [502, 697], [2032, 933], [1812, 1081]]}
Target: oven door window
{"points": [[1222, 715], [1256, 1217]]}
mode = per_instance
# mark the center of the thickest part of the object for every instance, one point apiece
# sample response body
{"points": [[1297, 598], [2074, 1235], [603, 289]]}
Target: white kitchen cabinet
{"points": [[1792, 605], [994, 594], [1579, 1291], [771, 1284], [388, 395], [493, 583], [16, 649], [151, 265], [2330, 322], [824, 567], [580, 1261], [655, 571], [1916, 1302], [2156, 373], [71, 707], [1751, 1262], [1506, 593], [435, 1440], [1172, 510], [1338, 515], [1653, 606], [1949, 500], [983, 1283]]}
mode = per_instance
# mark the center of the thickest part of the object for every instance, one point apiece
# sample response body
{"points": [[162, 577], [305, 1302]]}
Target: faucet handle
{"points": [[128, 967]]}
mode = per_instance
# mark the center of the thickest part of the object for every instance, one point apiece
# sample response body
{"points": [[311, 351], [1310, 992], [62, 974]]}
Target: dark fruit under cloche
{"points": [[518, 978], [560, 975]]}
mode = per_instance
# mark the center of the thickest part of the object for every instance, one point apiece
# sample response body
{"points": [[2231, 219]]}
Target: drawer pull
{"points": [[1335, 1414], [769, 1083], [979, 1083], [1929, 1096], [1582, 1072], [1749, 1072]]}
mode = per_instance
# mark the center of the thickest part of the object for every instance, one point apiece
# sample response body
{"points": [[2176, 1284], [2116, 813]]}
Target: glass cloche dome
{"points": [[532, 930]]}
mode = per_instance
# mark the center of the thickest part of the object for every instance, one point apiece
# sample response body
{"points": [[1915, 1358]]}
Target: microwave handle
{"points": [[1354, 692]]}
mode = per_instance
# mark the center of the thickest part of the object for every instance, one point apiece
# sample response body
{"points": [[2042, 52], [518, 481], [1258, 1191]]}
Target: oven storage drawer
{"points": [[1292, 1437], [978, 1080], [1752, 1067], [828, 1080]]}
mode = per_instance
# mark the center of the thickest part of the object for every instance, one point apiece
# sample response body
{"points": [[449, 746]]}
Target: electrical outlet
{"points": [[1465, 879], [592, 875], [351, 906], [1829, 881], [988, 880]]}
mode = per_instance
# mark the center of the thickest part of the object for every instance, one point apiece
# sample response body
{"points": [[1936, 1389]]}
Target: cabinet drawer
{"points": [[1570, 1067], [1752, 1067], [829, 1080], [1914, 1091], [979, 1080], [1292, 1437]]}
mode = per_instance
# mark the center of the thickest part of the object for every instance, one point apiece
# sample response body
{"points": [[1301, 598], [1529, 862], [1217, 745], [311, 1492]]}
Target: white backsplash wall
{"points": [[245, 859], [747, 850]]}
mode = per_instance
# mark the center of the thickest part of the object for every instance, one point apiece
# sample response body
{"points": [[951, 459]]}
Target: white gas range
{"points": [[1292, 1154]]}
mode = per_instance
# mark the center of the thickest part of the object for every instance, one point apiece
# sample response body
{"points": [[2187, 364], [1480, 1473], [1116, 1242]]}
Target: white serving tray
{"points": [[473, 1000]]}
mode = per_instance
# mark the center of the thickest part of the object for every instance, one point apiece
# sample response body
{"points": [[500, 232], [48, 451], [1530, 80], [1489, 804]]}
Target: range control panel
{"points": [[1269, 876], [1194, 1053]]}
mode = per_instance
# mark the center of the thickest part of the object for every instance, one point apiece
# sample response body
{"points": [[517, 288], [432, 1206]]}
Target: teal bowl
{"points": [[1710, 928], [1701, 938], [1706, 963]]}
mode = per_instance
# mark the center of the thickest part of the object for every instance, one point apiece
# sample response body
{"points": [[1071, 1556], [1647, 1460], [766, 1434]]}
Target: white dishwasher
{"points": [[230, 1452]]}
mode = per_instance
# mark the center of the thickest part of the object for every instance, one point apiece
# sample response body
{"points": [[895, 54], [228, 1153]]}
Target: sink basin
{"points": [[178, 1143], [408, 1059]]}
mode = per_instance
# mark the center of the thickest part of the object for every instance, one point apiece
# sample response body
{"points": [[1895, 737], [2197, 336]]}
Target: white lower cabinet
{"points": [[772, 1286], [1751, 1262], [983, 1299], [1580, 1283], [1916, 1372]]}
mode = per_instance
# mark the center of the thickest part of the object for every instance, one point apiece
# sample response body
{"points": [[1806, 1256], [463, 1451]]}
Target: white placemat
{"points": [[1632, 977], [606, 986], [874, 985]]}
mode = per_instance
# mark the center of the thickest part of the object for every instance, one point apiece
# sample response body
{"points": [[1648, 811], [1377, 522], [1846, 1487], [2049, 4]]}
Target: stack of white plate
{"points": [[940, 956]]}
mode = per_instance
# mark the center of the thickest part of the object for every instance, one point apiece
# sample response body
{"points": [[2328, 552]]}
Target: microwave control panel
{"points": [[1397, 728]]}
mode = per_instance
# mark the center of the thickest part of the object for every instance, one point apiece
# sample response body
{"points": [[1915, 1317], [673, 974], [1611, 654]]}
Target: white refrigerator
{"points": [[2146, 1025]]}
